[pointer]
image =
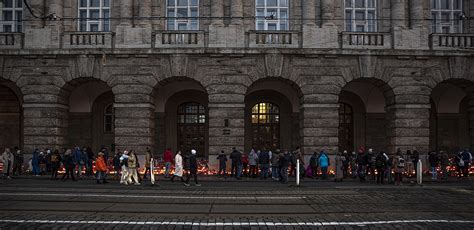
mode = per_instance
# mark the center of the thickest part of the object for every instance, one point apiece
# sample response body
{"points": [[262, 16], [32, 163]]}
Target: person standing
{"points": [[116, 163], [414, 158], [275, 165], [35, 163], [222, 164], [339, 167], [236, 158], [124, 165], [381, 166], [467, 158], [148, 157], [245, 165], [18, 161], [285, 161], [178, 167], [253, 157], [361, 164], [314, 162], [69, 165], [324, 164], [7, 159], [345, 163], [192, 169], [79, 160], [167, 159], [132, 168], [55, 164], [444, 160], [370, 163], [433, 160], [399, 164], [101, 168], [264, 161]]}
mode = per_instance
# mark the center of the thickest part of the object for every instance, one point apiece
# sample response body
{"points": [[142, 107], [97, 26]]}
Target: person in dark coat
{"points": [[264, 162], [361, 164], [222, 163], [193, 166], [381, 166], [55, 164], [236, 157], [69, 165], [433, 160], [285, 161], [314, 163]]}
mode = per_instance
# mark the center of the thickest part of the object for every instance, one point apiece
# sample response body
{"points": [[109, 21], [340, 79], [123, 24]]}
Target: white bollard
{"points": [[152, 174], [419, 172], [298, 172]]}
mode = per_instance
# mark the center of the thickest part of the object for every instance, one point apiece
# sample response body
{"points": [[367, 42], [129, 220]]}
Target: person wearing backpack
{"points": [[381, 166], [433, 160], [399, 164], [324, 164]]}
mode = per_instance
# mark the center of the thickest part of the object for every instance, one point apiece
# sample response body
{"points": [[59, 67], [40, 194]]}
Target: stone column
{"points": [[145, 13], [417, 12], [408, 127], [327, 7], [126, 12], [44, 126], [320, 128], [309, 13], [217, 12], [30, 21], [236, 11], [398, 13], [56, 7]]}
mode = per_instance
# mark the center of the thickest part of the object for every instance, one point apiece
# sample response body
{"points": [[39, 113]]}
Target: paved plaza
{"points": [[31, 203]]}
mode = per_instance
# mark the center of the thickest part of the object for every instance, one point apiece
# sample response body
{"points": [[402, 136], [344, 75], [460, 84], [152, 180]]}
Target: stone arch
{"points": [[85, 100], [11, 115], [169, 94], [371, 99], [452, 118], [286, 95]]}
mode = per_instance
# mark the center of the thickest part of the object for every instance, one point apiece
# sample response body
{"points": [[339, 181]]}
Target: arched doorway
{"points": [[192, 128], [265, 126], [272, 115], [91, 114], [181, 116], [451, 125], [362, 111], [10, 116]]}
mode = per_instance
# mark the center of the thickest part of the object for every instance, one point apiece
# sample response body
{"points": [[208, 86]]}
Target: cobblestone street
{"points": [[28, 203]]}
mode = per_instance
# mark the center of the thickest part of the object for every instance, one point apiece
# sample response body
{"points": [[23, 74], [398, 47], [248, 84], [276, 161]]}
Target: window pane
{"points": [[94, 14], [94, 27], [194, 12], [360, 15], [370, 3], [261, 13], [19, 16], [83, 14], [457, 4], [271, 3], [445, 4], [283, 15], [8, 3], [83, 3], [260, 3], [182, 2], [360, 3], [94, 3], [283, 3], [106, 3], [171, 2], [194, 3], [445, 17], [434, 4], [348, 20], [170, 25], [19, 3], [182, 12], [7, 15], [7, 28]]}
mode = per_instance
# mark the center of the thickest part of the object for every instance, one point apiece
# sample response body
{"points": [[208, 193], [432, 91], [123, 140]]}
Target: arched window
{"points": [[446, 16], [346, 127], [182, 14], [11, 15], [271, 14], [361, 15], [265, 126], [109, 118], [192, 127], [94, 15]]}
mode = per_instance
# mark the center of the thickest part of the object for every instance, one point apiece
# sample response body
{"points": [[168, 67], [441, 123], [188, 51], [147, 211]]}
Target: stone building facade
{"points": [[217, 74]]}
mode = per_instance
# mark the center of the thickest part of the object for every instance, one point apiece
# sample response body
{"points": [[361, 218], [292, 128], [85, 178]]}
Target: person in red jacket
{"points": [[101, 168], [168, 159]]}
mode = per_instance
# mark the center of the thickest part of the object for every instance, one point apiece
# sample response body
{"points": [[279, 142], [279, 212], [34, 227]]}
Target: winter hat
{"points": [[193, 151]]}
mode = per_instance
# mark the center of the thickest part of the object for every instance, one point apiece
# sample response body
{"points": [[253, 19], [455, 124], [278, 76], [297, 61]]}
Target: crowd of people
{"points": [[364, 165]]}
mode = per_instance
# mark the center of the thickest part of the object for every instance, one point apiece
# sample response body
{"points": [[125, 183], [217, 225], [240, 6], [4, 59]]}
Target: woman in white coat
{"points": [[178, 168], [7, 159]]}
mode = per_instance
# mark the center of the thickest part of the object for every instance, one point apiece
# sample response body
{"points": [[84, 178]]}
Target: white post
{"points": [[419, 172], [152, 174], [298, 172]]}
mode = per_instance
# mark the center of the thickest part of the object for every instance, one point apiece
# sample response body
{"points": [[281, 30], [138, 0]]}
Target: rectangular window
{"points": [[94, 15], [360, 15], [182, 15], [11, 16], [271, 15], [446, 16]]}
